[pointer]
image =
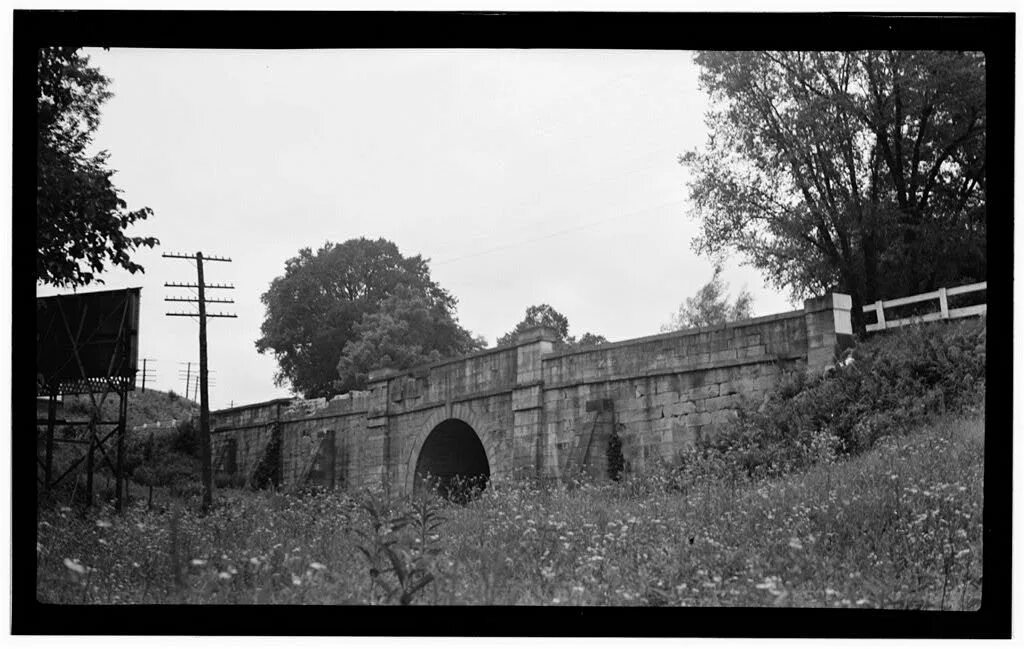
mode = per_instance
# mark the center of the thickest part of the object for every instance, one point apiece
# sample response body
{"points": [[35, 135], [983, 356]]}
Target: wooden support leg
{"points": [[51, 418], [121, 430]]}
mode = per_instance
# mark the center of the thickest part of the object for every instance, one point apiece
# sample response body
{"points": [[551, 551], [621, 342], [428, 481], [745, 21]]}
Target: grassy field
{"points": [[896, 527]]}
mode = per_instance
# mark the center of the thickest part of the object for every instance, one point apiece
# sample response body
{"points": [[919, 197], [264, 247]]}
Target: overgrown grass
{"points": [[896, 527]]}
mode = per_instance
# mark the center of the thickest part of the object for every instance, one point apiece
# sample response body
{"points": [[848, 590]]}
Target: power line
{"points": [[550, 235], [532, 223]]}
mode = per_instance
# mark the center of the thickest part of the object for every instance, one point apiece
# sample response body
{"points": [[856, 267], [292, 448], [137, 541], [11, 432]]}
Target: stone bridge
{"points": [[529, 410]]}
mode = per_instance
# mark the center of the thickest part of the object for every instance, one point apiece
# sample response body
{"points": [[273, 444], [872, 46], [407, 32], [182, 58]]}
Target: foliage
{"points": [[407, 330], [710, 306], [268, 470], [151, 406], [165, 459], [899, 527], [895, 380], [397, 569], [80, 215], [318, 307], [613, 454], [544, 315], [861, 171]]}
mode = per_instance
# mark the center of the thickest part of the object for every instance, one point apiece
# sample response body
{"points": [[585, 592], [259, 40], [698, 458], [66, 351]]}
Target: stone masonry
{"points": [[538, 412]]}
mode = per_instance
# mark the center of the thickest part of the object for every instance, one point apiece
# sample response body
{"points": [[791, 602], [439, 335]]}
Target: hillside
{"points": [[143, 407]]}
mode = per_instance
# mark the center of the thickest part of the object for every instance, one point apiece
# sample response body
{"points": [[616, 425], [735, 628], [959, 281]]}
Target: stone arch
{"points": [[434, 419]]}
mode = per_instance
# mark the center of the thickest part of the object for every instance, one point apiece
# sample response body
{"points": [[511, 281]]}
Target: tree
{"points": [[544, 315], [857, 171], [80, 216], [318, 306], [710, 306], [408, 330]]}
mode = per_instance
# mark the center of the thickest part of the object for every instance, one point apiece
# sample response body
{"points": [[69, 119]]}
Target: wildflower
{"points": [[224, 575], [198, 562], [254, 561], [316, 565], [74, 566], [296, 581]]}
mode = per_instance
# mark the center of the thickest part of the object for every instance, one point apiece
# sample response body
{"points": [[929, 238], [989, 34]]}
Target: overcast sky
{"points": [[525, 176]]}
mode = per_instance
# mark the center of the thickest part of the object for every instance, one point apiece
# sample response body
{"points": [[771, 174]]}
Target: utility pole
{"points": [[146, 374], [204, 395], [192, 387], [211, 382], [188, 378]]}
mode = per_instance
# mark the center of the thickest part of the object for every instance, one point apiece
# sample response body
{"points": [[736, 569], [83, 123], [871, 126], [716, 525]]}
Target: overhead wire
{"points": [[555, 234]]}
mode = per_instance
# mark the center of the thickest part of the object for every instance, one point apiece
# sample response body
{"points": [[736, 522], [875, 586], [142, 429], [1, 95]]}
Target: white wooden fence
{"points": [[944, 312]]}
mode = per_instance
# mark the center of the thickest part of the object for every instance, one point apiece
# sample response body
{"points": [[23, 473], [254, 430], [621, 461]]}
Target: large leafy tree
{"points": [[408, 329], [80, 216], [329, 300], [711, 306], [857, 171], [545, 315]]}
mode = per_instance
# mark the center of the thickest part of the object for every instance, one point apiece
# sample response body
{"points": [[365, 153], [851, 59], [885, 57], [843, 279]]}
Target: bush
{"points": [[268, 471], [895, 380], [223, 480], [616, 461], [165, 458]]}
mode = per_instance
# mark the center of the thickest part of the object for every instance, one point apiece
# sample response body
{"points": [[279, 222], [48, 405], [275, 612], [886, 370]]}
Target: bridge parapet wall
{"points": [[528, 403], [670, 389]]}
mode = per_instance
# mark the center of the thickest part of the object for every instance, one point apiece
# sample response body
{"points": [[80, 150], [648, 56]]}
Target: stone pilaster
{"points": [[528, 399], [829, 329], [378, 431]]}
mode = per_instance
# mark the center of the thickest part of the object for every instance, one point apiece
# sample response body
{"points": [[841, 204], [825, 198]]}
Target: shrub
{"points": [[616, 461], [268, 471], [895, 380]]}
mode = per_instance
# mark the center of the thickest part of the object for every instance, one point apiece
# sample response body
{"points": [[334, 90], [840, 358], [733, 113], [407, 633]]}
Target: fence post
{"points": [[880, 310], [943, 303]]}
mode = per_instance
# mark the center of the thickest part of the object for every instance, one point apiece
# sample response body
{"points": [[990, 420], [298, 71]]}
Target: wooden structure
{"points": [[944, 312], [87, 343]]}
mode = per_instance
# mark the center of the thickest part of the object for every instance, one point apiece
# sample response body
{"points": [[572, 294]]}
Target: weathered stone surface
{"points": [[527, 404]]}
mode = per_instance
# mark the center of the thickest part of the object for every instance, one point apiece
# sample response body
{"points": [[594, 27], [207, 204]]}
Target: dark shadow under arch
{"points": [[452, 461]]}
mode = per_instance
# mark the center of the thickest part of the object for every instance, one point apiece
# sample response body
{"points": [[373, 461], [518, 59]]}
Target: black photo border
{"points": [[992, 33]]}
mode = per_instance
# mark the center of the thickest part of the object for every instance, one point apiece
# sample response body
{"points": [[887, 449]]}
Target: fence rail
{"points": [[944, 312]]}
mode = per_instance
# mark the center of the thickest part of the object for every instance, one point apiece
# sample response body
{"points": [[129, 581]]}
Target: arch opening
{"points": [[453, 462]]}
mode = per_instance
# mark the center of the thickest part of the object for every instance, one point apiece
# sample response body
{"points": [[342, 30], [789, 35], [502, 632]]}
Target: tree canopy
{"points": [[353, 307], [711, 306], [407, 330], [80, 216], [862, 172], [545, 315]]}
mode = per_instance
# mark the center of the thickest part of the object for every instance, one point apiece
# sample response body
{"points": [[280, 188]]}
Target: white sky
{"points": [[526, 176]]}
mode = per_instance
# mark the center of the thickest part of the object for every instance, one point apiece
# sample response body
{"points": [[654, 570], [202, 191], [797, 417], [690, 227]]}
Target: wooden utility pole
{"points": [[204, 395], [187, 377]]}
